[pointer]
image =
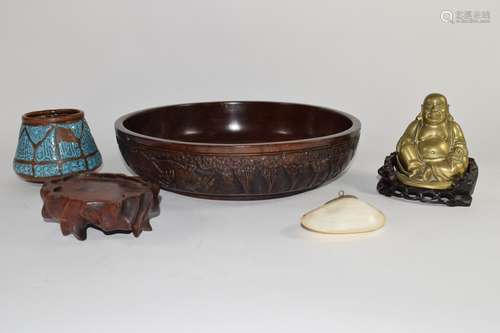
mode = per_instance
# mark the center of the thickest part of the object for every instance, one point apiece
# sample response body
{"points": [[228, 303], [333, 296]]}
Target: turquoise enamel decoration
{"points": [[55, 143]]}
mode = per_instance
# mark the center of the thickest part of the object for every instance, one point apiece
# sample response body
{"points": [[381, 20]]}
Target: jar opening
{"points": [[52, 115]]}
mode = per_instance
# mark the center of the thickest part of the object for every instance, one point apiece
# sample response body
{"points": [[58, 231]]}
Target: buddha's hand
{"points": [[458, 154], [416, 168], [458, 160]]}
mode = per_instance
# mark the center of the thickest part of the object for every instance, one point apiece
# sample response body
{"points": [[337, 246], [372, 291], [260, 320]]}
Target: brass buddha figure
{"points": [[432, 152]]}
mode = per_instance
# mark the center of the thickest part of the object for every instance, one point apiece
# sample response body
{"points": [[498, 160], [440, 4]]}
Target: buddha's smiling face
{"points": [[435, 109]]}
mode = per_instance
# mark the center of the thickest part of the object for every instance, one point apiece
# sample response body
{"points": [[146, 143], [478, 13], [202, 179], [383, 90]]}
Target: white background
{"points": [[213, 266]]}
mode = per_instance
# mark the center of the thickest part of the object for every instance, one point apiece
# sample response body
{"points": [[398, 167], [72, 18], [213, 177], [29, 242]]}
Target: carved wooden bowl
{"points": [[238, 150]]}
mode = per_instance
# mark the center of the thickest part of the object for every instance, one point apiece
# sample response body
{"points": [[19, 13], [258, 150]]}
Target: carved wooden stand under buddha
{"points": [[112, 203], [459, 195]]}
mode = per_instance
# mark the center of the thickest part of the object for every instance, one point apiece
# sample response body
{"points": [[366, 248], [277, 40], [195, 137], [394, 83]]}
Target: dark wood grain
{"points": [[109, 202], [238, 150]]}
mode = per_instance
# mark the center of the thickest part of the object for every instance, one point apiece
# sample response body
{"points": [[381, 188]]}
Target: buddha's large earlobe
{"points": [[449, 116], [420, 115]]}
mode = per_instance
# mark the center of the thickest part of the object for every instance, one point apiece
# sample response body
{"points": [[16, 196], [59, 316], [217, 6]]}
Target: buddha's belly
{"points": [[433, 149]]}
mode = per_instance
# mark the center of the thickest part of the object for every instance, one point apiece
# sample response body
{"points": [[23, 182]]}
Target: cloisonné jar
{"points": [[55, 143]]}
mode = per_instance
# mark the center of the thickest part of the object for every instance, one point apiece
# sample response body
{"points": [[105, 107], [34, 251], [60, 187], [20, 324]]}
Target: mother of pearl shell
{"points": [[344, 215]]}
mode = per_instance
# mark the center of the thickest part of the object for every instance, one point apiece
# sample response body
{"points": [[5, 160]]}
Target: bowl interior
{"points": [[238, 122]]}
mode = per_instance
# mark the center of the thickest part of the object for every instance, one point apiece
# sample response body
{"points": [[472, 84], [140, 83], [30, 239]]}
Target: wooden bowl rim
{"points": [[146, 139]]}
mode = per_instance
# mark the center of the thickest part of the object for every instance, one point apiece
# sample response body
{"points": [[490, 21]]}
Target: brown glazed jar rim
{"points": [[51, 116], [234, 147]]}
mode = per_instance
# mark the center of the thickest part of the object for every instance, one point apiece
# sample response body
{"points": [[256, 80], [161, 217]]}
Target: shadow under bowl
{"points": [[238, 150]]}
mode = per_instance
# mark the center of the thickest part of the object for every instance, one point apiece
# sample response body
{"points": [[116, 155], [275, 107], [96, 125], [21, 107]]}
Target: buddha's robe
{"points": [[430, 154]]}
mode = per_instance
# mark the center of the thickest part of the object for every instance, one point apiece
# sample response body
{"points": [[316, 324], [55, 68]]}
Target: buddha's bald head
{"points": [[435, 109], [435, 98]]}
